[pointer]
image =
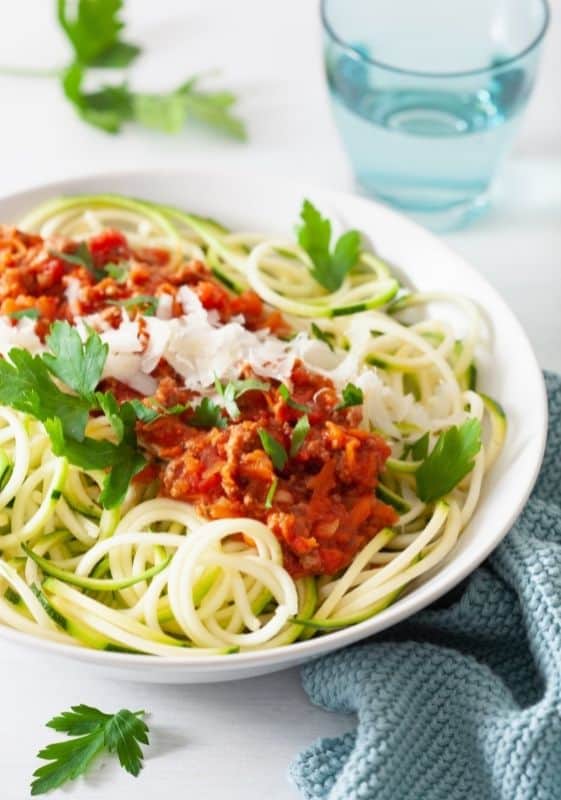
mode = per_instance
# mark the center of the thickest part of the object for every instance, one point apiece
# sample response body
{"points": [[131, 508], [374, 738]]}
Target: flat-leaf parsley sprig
{"points": [[93, 28], [451, 459], [27, 384], [329, 267], [93, 732]]}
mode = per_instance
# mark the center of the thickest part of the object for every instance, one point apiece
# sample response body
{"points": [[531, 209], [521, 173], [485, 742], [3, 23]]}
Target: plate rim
{"points": [[405, 607]]}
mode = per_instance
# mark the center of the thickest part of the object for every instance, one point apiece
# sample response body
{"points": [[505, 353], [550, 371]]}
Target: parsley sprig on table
{"points": [[93, 732], [93, 28], [231, 391], [94, 32], [329, 268]]}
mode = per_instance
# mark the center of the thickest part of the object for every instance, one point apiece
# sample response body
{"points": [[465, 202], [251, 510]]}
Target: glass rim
{"points": [[420, 73]]}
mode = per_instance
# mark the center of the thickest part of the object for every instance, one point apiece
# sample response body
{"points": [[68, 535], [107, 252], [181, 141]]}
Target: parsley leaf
{"points": [[124, 459], [235, 389], [79, 720], [419, 449], [451, 459], [207, 415], [110, 407], [26, 385], [87, 453], [110, 107], [120, 55], [149, 414], [284, 392], [352, 396], [168, 112], [274, 449], [119, 272], [324, 336], [146, 303], [178, 408], [314, 236], [123, 732], [77, 364], [93, 28], [67, 759], [299, 433], [228, 395], [127, 462], [143, 412], [94, 732], [81, 257], [31, 313]]}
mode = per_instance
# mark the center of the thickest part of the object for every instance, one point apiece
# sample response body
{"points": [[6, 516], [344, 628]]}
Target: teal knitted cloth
{"points": [[461, 701]]}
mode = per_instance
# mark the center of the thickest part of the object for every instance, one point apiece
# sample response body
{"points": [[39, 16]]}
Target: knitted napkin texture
{"points": [[463, 701]]}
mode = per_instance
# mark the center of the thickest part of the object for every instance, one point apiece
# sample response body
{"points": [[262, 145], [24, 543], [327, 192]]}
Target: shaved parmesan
{"points": [[20, 335]]}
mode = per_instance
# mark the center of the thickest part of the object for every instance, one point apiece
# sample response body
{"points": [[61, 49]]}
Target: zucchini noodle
{"points": [[152, 576]]}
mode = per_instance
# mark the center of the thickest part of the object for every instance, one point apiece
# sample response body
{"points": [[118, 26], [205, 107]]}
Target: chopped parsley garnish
{"points": [[147, 414], [119, 272], [271, 493], [146, 303], [314, 236], [274, 449], [299, 433], [92, 732], [284, 392], [451, 459], [207, 415], [324, 336], [352, 396], [178, 408], [234, 389], [31, 313], [143, 412], [80, 257]]}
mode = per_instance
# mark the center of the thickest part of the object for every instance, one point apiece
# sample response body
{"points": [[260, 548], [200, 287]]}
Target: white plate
{"points": [[508, 371]]}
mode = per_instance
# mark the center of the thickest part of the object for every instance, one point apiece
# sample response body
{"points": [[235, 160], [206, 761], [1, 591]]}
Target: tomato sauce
{"points": [[321, 504], [34, 274], [324, 509]]}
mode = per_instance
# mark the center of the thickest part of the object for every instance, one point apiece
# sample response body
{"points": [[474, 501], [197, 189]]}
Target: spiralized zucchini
{"points": [[152, 576]]}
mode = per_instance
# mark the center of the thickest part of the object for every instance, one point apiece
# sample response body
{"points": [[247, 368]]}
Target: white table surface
{"points": [[236, 740]]}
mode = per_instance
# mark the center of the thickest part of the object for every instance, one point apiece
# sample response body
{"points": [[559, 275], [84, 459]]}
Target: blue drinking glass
{"points": [[428, 95]]}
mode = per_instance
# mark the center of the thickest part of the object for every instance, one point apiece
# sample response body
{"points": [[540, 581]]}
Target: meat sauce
{"points": [[321, 505], [32, 275]]}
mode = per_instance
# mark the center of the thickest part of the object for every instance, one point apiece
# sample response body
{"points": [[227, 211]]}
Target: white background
{"points": [[236, 740]]}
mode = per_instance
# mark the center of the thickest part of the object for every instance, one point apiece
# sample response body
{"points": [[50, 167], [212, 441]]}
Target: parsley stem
{"points": [[26, 72]]}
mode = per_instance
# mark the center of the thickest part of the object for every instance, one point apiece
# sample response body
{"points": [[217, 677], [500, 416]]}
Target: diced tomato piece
{"points": [[109, 245]]}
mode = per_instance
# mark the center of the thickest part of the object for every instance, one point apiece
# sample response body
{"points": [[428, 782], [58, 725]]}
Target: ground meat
{"points": [[324, 509], [321, 504]]}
